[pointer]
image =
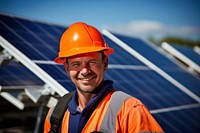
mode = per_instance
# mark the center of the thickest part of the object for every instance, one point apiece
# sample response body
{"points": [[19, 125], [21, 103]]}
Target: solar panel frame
{"points": [[184, 54], [188, 52]]}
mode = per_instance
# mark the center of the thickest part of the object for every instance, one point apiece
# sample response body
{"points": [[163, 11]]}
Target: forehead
{"points": [[89, 55]]}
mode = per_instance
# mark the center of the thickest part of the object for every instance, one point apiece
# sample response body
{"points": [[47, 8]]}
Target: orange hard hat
{"points": [[81, 38]]}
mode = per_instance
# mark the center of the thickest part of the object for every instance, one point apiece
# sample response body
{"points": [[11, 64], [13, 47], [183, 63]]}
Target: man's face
{"points": [[86, 70]]}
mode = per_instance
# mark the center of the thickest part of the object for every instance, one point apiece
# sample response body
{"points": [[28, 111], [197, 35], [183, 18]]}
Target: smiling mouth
{"points": [[86, 79]]}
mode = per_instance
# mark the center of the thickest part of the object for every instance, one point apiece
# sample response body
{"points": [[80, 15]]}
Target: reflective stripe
{"points": [[108, 124], [50, 113]]}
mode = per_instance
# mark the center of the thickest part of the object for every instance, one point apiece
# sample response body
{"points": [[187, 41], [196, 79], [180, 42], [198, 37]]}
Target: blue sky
{"points": [[140, 18]]}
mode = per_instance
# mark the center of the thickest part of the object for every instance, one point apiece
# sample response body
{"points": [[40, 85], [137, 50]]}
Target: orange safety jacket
{"points": [[118, 112]]}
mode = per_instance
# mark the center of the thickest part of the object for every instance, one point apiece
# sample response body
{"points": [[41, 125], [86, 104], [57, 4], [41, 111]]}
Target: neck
{"points": [[84, 98]]}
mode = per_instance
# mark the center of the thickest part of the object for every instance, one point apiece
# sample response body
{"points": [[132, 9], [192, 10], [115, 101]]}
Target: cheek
{"points": [[100, 71], [72, 74]]}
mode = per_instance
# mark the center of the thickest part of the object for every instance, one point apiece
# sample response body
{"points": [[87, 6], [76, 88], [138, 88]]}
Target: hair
{"points": [[103, 54]]}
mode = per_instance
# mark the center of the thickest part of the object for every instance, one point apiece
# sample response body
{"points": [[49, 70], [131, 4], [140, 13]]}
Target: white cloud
{"points": [[183, 30], [145, 28]]}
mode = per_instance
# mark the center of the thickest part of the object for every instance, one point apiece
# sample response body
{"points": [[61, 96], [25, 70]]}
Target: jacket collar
{"points": [[103, 90]]}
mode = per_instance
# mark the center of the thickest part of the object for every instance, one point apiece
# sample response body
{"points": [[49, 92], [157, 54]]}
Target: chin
{"points": [[86, 89]]}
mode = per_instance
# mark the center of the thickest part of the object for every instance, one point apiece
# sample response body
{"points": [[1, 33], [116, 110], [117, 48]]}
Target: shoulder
{"points": [[126, 99], [133, 109], [126, 102]]}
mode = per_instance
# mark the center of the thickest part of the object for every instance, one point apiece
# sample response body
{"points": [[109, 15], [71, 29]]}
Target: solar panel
{"points": [[185, 54], [158, 61], [141, 76]]}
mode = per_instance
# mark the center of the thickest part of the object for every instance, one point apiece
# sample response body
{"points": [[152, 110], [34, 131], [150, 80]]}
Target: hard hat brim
{"points": [[62, 58]]}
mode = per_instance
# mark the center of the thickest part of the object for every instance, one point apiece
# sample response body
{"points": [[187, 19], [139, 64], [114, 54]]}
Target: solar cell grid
{"points": [[180, 121], [10, 22], [168, 66], [150, 90], [6, 32], [56, 71], [147, 51], [29, 35], [120, 56], [15, 74], [52, 29]]}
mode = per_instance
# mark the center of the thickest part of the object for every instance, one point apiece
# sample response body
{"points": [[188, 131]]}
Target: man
{"points": [[95, 106]]}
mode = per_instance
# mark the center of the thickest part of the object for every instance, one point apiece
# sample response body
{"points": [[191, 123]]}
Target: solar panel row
{"points": [[137, 67]]}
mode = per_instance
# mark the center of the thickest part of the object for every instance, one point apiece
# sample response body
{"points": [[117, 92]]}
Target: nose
{"points": [[85, 71]]}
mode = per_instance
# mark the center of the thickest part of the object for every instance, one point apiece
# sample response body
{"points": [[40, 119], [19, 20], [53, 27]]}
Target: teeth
{"points": [[86, 79]]}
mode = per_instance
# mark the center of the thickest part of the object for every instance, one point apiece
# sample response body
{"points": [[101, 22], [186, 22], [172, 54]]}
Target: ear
{"points": [[66, 67], [105, 61]]}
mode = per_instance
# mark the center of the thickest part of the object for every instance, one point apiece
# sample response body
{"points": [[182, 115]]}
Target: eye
{"points": [[76, 64], [93, 63]]}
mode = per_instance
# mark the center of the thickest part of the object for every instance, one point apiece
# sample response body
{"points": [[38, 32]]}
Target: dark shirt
{"points": [[77, 118]]}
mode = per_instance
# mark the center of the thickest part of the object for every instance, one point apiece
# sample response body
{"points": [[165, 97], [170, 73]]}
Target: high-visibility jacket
{"points": [[116, 113]]}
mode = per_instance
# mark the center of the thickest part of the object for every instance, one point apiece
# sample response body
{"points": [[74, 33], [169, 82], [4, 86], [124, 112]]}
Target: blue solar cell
{"points": [[52, 29], [56, 71], [188, 52], [59, 74], [68, 85], [29, 25], [120, 56], [26, 35], [10, 22], [180, 121], [14, 74], [9, 35]]}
